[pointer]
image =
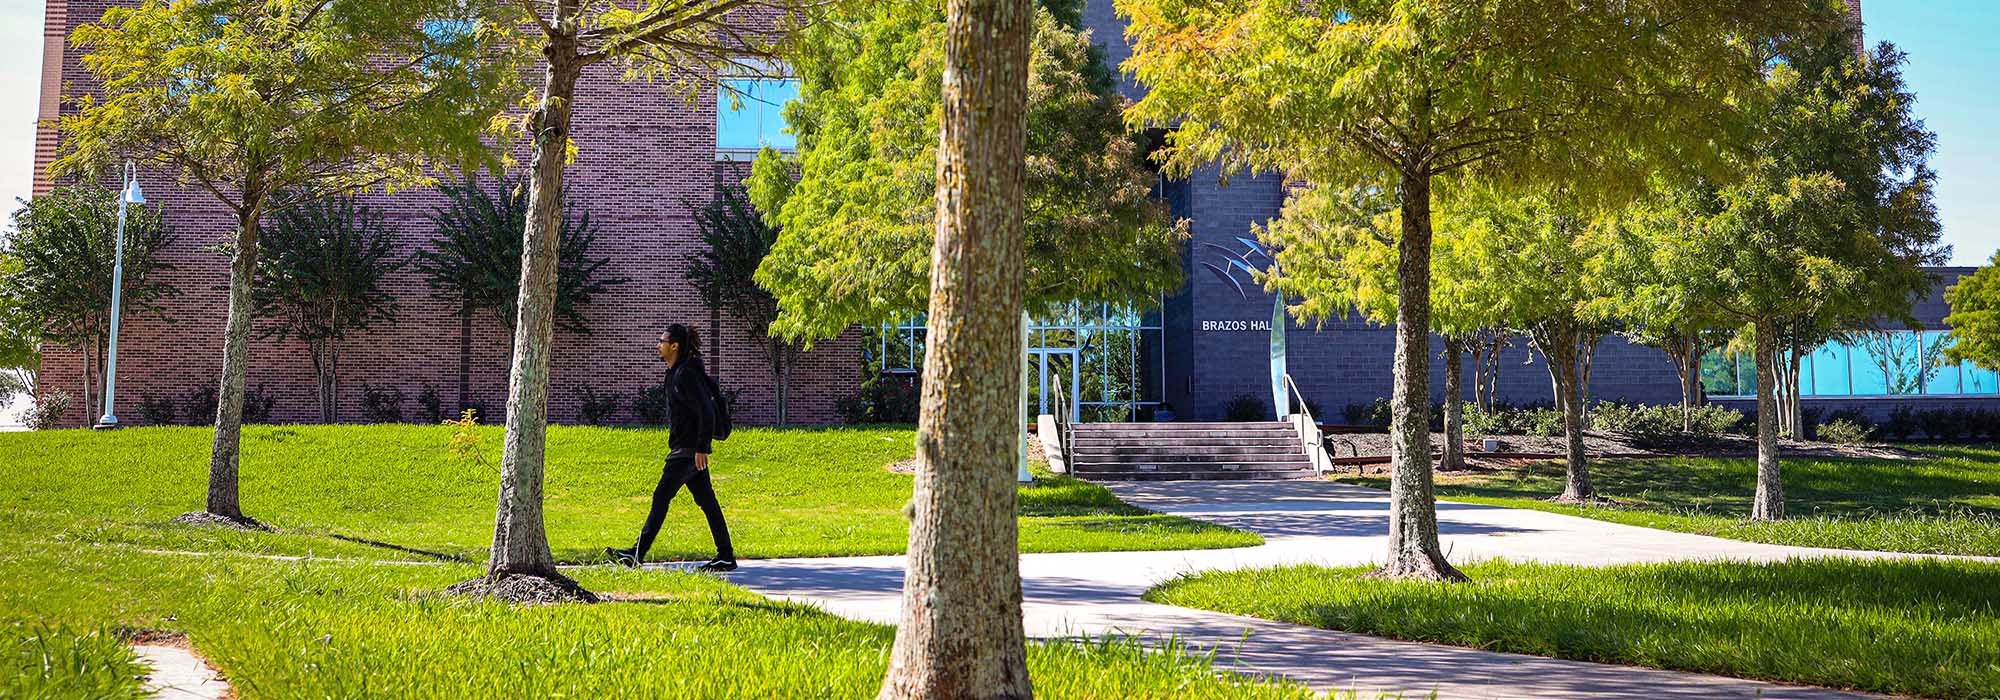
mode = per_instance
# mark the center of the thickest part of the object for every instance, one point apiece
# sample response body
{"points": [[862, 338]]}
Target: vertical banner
{"points": [[1278, 393]]}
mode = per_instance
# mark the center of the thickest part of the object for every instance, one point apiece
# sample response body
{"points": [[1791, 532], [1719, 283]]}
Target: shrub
{"points": [[257, 406], [1811, 418], [1843, 432], [1542, 422], [884, 400], [199, 406], [1852, 415], [1711, 419], [1902, 422], [430, 408], [1375, 413], [1939, 424], [157, 410], [597, 408], [47, 411], [1245, 408], [1645, 424], [1985, 425], [1480, 423], [384, 405], [650, 405]]}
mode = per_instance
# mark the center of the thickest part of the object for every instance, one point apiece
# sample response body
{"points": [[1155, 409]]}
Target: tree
{"points": [[1538, 263], [1829, 223], [319, 277], [1397, 94], [960, 634], [20, 341], [57, 281], [683, 43], [856, 204], [1335, 252], [257, 101], [475, 262], [736, 241], [1975, 317]]}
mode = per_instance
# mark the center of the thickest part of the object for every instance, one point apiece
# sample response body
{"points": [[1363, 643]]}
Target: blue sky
{"points": [[1954, 68]]}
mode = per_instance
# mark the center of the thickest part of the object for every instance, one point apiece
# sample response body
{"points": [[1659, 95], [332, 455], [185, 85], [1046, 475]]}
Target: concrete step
{"points": [[1085, 442], [1192, 475], [1151, 434], [1092, 427], [1122, 467], [1166, 457]]}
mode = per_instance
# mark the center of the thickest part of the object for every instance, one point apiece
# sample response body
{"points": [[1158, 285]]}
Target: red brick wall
{"points": [[642, 150]]}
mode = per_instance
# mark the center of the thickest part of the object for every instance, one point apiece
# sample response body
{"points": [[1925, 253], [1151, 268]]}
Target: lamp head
{"points": [[132, 194]]}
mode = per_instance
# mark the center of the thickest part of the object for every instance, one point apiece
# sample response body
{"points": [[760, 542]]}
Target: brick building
{"points": [[643, 152]]}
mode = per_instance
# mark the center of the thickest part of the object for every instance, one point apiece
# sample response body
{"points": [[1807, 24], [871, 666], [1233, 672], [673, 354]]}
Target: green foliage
{"points": [[1975, 316], [475, 260], [857, 201], [20, 344], [1921, 628], [597, 408], [884, 400], [1654, 425], [48, 411], [57, 265], [1843, 432], [405, 484], [382, 404], [255, 98], [1351, 95], [320, 269], [1375, 413], [1246, 408], [735, 241]]}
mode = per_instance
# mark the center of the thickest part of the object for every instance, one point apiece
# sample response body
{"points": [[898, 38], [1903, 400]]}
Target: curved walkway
{"points": [[1313, 521]]}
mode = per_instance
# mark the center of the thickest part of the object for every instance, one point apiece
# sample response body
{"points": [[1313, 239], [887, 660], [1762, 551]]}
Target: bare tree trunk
{"points": [[222, 463], [1561, 343], [1454, 405], [1769, 503], [1793, 385], [960, 634], [520, 545], [464, 358], [1414, 551], [90, 381]]}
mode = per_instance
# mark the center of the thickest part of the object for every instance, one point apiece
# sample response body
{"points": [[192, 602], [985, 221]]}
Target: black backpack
{"points": [[721, 404]]}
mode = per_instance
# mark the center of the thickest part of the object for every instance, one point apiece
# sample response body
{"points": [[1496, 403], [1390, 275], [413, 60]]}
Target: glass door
{"points": [[1058, 365]]}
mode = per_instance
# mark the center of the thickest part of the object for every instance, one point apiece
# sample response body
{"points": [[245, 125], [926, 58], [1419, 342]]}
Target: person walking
{"points": [[692, 410]]}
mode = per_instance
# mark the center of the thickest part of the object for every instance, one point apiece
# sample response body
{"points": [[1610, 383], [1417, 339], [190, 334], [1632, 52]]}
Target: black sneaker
{"points": [[623, 557], [719, 565]]}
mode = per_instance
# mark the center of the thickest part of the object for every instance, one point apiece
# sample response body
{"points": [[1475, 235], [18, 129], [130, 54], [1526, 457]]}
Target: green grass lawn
{"points": [[88, 562], [1926, 628], [787, 493], [1946, 503], [280, 629]]}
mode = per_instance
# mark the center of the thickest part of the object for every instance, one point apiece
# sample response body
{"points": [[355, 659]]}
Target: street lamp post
{"points": [[126, 198]]}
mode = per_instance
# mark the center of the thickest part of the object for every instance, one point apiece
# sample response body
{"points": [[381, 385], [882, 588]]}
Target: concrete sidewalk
{"points": [[1312, 521]]}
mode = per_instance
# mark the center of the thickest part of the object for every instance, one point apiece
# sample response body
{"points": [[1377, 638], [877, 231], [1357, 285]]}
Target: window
{"points": [[1866, 363], [749, 115]]}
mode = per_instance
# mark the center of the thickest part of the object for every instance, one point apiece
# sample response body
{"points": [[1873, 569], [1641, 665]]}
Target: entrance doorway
{"points": [[1058, 365]]}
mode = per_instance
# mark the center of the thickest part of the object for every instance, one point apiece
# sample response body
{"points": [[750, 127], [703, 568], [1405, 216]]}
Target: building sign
{"points": [[1232, 325]]}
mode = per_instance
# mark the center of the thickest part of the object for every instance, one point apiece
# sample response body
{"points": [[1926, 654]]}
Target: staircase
{"points": [[1158, 451]]}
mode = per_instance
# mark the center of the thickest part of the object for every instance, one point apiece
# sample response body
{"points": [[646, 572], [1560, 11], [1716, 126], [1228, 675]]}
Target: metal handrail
{"points": [[1310, 438], [1301, 398], [1064, 432]]}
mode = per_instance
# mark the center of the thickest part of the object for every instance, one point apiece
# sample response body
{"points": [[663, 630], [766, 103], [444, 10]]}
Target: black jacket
{"points": [[690, 407]]}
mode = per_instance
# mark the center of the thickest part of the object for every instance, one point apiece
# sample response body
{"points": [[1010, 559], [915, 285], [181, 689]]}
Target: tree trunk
{"points": [[464, 358], [715, 342], [322, 377], [1769, 503], [960, 634], [222, 463], [520, 545], [1795, 383], [90, 364], [1561, 343], [1414, 551], [1454, 409]]}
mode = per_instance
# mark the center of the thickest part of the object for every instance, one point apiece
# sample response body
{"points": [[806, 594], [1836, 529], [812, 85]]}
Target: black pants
{"points": [[680, 472]]}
